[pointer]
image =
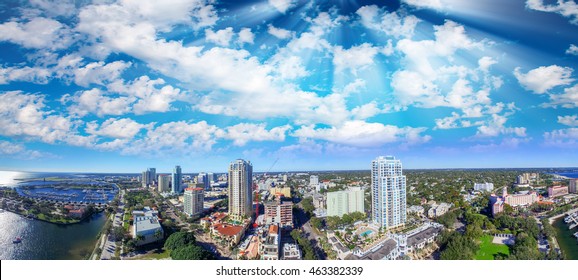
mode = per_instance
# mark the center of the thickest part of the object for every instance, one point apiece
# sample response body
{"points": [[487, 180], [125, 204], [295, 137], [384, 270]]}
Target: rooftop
{"points": [[228, 230]]}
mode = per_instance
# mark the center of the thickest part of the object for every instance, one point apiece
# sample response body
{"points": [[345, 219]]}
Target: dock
{"points": [[572, 219]]}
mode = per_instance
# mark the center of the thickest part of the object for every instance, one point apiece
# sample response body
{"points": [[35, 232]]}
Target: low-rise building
{"points": [[386, 250], [483, 187], [291, 252], [231, 234], [270, 243], [147, 229], [437, 210], [556, 191], [281, 191]]}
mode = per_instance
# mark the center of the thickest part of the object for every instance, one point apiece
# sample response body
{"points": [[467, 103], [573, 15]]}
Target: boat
{"points": [[17, 240]]}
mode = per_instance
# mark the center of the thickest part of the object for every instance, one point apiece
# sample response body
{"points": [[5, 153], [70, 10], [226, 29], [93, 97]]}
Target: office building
{"points": [[240, 189], [177, 179], [388, 192], [152, 175], [144, 179], [345, 202], [212, 178], [203, 178], [164, 183], [193, 201]]}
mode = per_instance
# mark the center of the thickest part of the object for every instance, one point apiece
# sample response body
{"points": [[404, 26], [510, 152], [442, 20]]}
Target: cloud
{"points": [[568, 99], [282, 5], [149, 97], [573, 49], [38, 33], [222, 37], [116, 128], [496, 126], [354, 58], [363, 134], [37, 75], [567, 8], [246, 36], [99, 72], [97, 102], [392, 24], [434, 4], [544, 78], [243, 133], [19, 151], [568, 120], [26, 116], [562, 138], [366, 111], [506, 144], [182, 138], [280, 33]]}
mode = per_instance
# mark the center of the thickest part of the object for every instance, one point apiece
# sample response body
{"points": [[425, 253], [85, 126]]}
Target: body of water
{"points": [[46, 241], [568, 174], [13, 178], [568, 243]]}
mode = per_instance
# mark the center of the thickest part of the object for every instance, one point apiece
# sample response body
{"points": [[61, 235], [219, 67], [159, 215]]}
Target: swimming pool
{"points": [[366, 233]]}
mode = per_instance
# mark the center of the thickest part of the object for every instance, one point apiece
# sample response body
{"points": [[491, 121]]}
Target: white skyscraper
{"points": [[388, 192], [240, 189], [177, 179], [314, 180]]}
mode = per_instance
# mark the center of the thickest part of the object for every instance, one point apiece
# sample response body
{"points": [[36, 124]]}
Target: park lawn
{"points": [[488, 249], [165, 254]]}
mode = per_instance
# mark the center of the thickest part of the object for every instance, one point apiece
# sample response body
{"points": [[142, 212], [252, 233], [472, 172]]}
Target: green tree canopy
{"points": [[191, 252], [179, 239]]}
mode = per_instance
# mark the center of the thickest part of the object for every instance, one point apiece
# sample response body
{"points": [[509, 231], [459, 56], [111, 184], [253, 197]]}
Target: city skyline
{"points": [[288, 84]]}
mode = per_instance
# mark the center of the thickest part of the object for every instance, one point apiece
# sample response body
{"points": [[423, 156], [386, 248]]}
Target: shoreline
{"points": [[52, 222]]}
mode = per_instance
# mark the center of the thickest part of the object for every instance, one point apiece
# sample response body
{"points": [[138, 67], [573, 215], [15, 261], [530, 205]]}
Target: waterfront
{"points": [[46, 241], [566, 240]]}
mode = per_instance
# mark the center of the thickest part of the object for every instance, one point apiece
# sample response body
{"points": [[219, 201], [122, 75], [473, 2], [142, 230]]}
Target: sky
{"points": [[120, 86]]}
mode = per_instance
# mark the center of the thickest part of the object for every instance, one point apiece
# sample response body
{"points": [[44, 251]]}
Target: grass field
{"points": [[488, 249]]}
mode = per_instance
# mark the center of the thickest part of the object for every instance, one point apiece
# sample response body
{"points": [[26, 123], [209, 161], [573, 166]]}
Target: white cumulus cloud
{"points": [[567, 8], [568, 120], [544, 78], [282, 5]]}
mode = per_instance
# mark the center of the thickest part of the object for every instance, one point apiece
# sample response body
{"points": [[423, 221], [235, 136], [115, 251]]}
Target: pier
{"points": [[572, 219]]}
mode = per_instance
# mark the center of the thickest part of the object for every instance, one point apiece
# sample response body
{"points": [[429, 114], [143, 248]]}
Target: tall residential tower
{"points": [[240, 189], [177, 179], [388, 192]]}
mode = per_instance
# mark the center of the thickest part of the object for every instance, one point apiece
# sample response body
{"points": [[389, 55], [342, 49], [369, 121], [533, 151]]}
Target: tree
{"points": [[316, 222], [118, 233], [191, 252], [179, 239]]}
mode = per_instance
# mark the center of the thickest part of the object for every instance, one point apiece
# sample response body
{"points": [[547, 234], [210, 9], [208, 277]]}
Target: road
{"points": [[314, 238], [109, 246]]}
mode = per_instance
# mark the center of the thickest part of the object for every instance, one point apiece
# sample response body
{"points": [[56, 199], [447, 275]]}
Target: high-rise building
{"points": [[573, 186], [193, 201], [388, 192], [145, 179], [345, 202], [212, 177], [240, 189], [152, 175], [177, 179], [203, 178], [164, 183]]}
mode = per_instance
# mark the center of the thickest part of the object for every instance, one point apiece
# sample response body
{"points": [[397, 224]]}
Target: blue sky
{"points": [[119, 86]]}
